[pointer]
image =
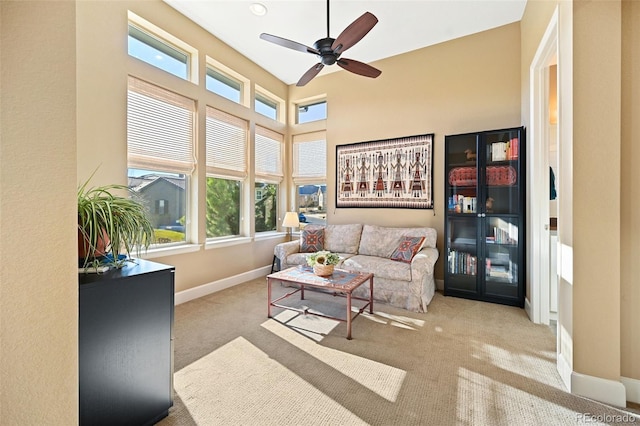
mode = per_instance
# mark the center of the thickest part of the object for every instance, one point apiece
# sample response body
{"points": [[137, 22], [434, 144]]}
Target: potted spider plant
{"points": [[112, 223]]}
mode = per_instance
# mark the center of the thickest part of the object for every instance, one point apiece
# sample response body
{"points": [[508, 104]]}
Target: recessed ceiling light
{"points": [[258, 9]]}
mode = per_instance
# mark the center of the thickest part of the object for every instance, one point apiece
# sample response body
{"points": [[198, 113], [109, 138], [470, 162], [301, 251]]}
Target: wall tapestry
{"points": [[392, 173]]}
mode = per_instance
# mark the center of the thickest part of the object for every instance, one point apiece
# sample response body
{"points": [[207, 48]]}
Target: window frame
{"points": [[266, 98], [163, 155], [227, 73], [311, 103], [298, 176], [236, 169], [169, 41]]}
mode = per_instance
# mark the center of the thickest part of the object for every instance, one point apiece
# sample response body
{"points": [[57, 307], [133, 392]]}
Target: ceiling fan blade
{"points": [[288, 43], [308, 76], [359, 68], [354, 32]]}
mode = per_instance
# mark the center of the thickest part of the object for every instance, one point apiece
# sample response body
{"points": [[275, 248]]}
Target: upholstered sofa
{"points": [[406, 282]]}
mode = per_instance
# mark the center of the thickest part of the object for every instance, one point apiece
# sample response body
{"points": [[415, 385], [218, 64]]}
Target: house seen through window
{"points": [[165, 197]]}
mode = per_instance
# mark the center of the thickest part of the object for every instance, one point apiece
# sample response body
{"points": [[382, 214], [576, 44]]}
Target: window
{"points": [[269, 174], [266, 208], [160, 155], [226, 145], [309, 176], [311, 112], [223, 85], [225, 82], [266, 106], [154, 51], [223, 207], [161, 207]]}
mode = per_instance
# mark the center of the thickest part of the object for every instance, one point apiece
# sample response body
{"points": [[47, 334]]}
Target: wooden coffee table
{"points": [[340, 283]]}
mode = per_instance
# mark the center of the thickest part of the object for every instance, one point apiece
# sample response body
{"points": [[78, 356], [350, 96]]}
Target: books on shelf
{"points": [[461, 204], [462, 263], [507, 272], [501, 151], [507, 235]]}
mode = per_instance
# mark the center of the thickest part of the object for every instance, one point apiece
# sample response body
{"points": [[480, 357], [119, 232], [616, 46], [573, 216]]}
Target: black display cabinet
{"points": [[485, 216], [126, 344]]}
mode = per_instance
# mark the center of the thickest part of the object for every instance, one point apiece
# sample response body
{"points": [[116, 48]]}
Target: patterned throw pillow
{"points": [[312, 240], [408, 248]]}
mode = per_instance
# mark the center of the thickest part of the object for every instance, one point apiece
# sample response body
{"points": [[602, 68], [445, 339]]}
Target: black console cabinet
{"points": [[126, 344]]}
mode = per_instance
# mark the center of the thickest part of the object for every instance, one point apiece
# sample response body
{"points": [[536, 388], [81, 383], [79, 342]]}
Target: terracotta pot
{"points": [[84, 251]]}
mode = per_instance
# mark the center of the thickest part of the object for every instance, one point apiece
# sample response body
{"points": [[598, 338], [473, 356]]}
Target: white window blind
{"points": [[309, 157], [226, 144], [269, 153], [160, 128]]}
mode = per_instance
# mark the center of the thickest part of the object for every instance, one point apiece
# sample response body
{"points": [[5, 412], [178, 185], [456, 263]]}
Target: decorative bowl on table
{"points": [[323, 270], [323, 262]]}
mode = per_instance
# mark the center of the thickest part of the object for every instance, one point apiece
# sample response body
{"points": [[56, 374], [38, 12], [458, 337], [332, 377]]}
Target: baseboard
{"points": [[212, 287], [633, 389], [610, 392], [527, 309], [439, 285], [564, 370]]}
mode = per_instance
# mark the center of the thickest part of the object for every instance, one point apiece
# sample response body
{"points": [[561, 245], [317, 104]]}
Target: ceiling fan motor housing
{"points": [[327, 55]]}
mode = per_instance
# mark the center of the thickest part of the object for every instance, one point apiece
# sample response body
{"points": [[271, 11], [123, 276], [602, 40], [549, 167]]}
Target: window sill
{"points": [[170, 251], [227, 242], [269, 235]]}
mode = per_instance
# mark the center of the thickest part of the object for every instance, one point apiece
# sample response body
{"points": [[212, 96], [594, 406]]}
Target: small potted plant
{"points": [[111, 226], [323, 262]]}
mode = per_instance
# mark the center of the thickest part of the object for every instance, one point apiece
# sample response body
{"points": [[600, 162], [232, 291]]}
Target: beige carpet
{"points": [[462, 363]]}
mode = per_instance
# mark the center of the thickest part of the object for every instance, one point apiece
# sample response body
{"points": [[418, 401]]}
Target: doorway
{"points": [[542, 306]]}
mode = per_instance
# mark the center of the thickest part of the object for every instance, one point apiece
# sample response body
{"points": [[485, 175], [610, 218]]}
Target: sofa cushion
{"points": [[342, 238], [407, 248], [381, 268], [312, 239], [381, 241]]}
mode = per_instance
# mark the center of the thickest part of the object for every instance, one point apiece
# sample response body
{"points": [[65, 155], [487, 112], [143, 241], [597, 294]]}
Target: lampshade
{"points": [[291, 220]]}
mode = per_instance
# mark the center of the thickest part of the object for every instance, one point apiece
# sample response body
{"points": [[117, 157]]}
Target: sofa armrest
{"points": [[283, 250], [424, 262]]}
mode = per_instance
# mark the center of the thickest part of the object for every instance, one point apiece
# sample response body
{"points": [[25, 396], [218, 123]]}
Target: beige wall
{"points": [[598, 219], [103, 64], [464, 85], [38, 276], [630, 198], [596, 147]]}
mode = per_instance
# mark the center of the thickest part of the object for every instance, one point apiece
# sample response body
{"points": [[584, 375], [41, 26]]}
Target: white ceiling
{"points": [[403, 26]]}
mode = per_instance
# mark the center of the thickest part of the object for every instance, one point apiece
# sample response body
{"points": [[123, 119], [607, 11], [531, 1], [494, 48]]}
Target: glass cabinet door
{"points": [[462, 256], [502, 256], [501, 185], [462, 211], [462, 174], [501, 174]]}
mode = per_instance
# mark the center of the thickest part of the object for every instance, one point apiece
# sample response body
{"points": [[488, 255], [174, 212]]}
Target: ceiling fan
{"points": [[329, 49]]}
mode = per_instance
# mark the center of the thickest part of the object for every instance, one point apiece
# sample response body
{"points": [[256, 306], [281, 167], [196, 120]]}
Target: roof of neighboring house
{"points": [[139, 183]]}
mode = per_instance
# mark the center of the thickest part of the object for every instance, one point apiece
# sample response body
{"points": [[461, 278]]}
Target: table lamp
{"points": [[290, 221]]}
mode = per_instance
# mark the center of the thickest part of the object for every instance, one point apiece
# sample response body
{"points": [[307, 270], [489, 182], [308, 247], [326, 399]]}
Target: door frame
{"points": [[538, 166]]}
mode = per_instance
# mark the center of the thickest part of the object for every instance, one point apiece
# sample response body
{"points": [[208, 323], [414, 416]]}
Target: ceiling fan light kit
{"points": [[329, 49]]}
